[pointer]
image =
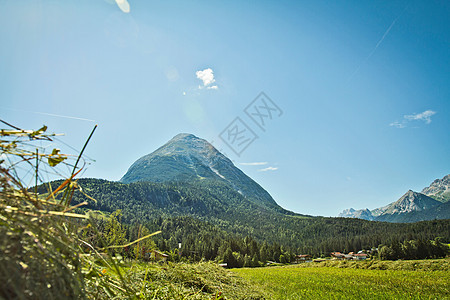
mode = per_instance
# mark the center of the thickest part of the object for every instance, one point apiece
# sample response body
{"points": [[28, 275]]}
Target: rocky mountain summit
{"points": [[410, 202], [187, 158], [439, 189]]}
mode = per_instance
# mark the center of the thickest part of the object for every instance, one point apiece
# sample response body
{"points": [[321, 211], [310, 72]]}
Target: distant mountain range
{"points": [[431, 204], [359, 214]]}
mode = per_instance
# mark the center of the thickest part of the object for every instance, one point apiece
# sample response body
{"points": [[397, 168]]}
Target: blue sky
{"points": [[363, 86]]}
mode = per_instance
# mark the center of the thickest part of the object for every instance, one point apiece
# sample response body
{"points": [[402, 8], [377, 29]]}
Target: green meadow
{"points": [[352, 281]]}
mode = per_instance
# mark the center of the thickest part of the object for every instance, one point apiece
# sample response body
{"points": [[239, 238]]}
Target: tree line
{"points": [[208, 219], [200, 240], [413, 249]]}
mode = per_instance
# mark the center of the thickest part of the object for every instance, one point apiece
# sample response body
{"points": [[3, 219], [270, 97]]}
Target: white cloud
{"points": [[424, 116], [207, 76], [268, 169], [397, 124], [255, 163], [123, 5]]}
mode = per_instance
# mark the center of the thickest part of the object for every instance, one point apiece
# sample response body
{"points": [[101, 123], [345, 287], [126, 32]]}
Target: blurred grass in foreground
{"points": [[41, 253], [44, 250]]}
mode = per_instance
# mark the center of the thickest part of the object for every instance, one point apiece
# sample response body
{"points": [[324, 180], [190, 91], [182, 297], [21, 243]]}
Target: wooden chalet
{"points": [[349, 256], [337, 256], [302, 258], [360, 256]]}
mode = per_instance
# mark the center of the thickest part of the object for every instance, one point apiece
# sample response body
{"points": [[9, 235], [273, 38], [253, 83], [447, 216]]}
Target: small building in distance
{"points": [[337, 256], [349, 256], [360, 256], [302, 258]]}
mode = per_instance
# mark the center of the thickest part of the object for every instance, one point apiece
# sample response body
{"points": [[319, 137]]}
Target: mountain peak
{"points": [[439, 189], [410, 194], [187, 158], [188, 146], [185, 136], [411, 201]]}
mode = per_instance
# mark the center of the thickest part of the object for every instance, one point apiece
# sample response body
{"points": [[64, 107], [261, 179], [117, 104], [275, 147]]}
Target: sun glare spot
{"points": [[123, 5]]}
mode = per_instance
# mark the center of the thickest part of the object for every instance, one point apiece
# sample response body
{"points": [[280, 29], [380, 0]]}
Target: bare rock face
{"points": [[411, 201], [439, 189], [347, 213]]}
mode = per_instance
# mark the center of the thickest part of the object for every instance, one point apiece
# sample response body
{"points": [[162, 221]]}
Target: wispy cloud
{"points": [[377, 45], [254, 163], [62, 116], [260, 163], [397, 124], [268, 169], [423, 116], [207, 77], [49, 114]]}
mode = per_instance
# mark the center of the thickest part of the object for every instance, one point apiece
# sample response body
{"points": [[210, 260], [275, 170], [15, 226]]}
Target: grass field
{"points": [[349, 282]]}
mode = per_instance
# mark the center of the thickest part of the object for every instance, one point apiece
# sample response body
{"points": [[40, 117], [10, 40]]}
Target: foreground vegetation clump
{"points": [[42, 255], [203, 280], [38, 256], [332, 281]]}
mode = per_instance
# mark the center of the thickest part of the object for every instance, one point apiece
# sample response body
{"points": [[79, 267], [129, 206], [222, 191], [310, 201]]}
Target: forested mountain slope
{"points": [[228, 211]]}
